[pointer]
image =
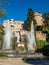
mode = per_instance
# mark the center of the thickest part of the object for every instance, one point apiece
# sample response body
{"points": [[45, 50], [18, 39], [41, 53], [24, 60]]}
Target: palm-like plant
{"points": [[2, 12]]}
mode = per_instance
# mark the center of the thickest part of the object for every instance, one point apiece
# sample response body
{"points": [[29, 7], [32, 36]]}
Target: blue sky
{"points": [[18, 9]]}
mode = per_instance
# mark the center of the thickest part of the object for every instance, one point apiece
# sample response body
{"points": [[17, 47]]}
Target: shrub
{"points": [[45, 50], [41, 43], [2, 55]]}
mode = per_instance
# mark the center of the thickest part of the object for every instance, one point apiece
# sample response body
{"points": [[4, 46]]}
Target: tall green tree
{"points": [[30, 17]]}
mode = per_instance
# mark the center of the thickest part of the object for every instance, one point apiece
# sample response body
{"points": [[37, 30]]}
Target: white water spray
{"points": [[18, 36], [7, 37], [31, 38]]}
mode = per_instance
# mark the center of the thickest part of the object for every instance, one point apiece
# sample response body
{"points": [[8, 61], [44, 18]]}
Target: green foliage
{"points": [[39, 28], [1, 28], [2, 55], [2, 13], [1, 43], [40, 44], [46, 22], [30, 18], [47, 35], [45, 50], [1, 35]]}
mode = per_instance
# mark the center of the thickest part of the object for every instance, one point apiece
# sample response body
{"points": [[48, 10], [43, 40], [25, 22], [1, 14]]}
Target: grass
{"points": [[2, 55]]}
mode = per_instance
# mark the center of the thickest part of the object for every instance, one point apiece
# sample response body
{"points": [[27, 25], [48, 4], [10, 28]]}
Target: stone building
{"points": [[17, 26], [38, 18], [39, 23]]}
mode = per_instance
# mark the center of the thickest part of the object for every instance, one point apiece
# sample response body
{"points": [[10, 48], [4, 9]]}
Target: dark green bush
{"points": [[45, 50], [39, 28]]}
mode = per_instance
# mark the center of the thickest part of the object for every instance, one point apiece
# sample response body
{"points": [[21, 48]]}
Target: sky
{"points": [[18, 9]]}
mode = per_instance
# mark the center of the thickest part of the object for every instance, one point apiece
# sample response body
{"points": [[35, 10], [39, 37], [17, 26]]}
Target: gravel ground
{"points": [[12, 61]]}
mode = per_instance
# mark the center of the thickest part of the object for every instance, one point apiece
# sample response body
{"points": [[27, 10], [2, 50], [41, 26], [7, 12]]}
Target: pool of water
{"points": [[36, 61]]}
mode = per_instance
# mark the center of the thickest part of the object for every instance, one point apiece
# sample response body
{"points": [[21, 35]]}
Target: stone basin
{"points": [[9, 51]]}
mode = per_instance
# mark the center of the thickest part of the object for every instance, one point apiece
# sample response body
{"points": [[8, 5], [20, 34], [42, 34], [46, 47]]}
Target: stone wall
{"points": [[40, 35]]}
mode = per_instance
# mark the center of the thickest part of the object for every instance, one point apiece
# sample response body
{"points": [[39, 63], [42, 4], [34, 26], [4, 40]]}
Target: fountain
{"points": [[31, 38], [7, 45], [18, 36], [7, 37]]}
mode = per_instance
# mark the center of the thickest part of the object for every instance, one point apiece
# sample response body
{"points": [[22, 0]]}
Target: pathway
{"points": [[12, 61]]}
